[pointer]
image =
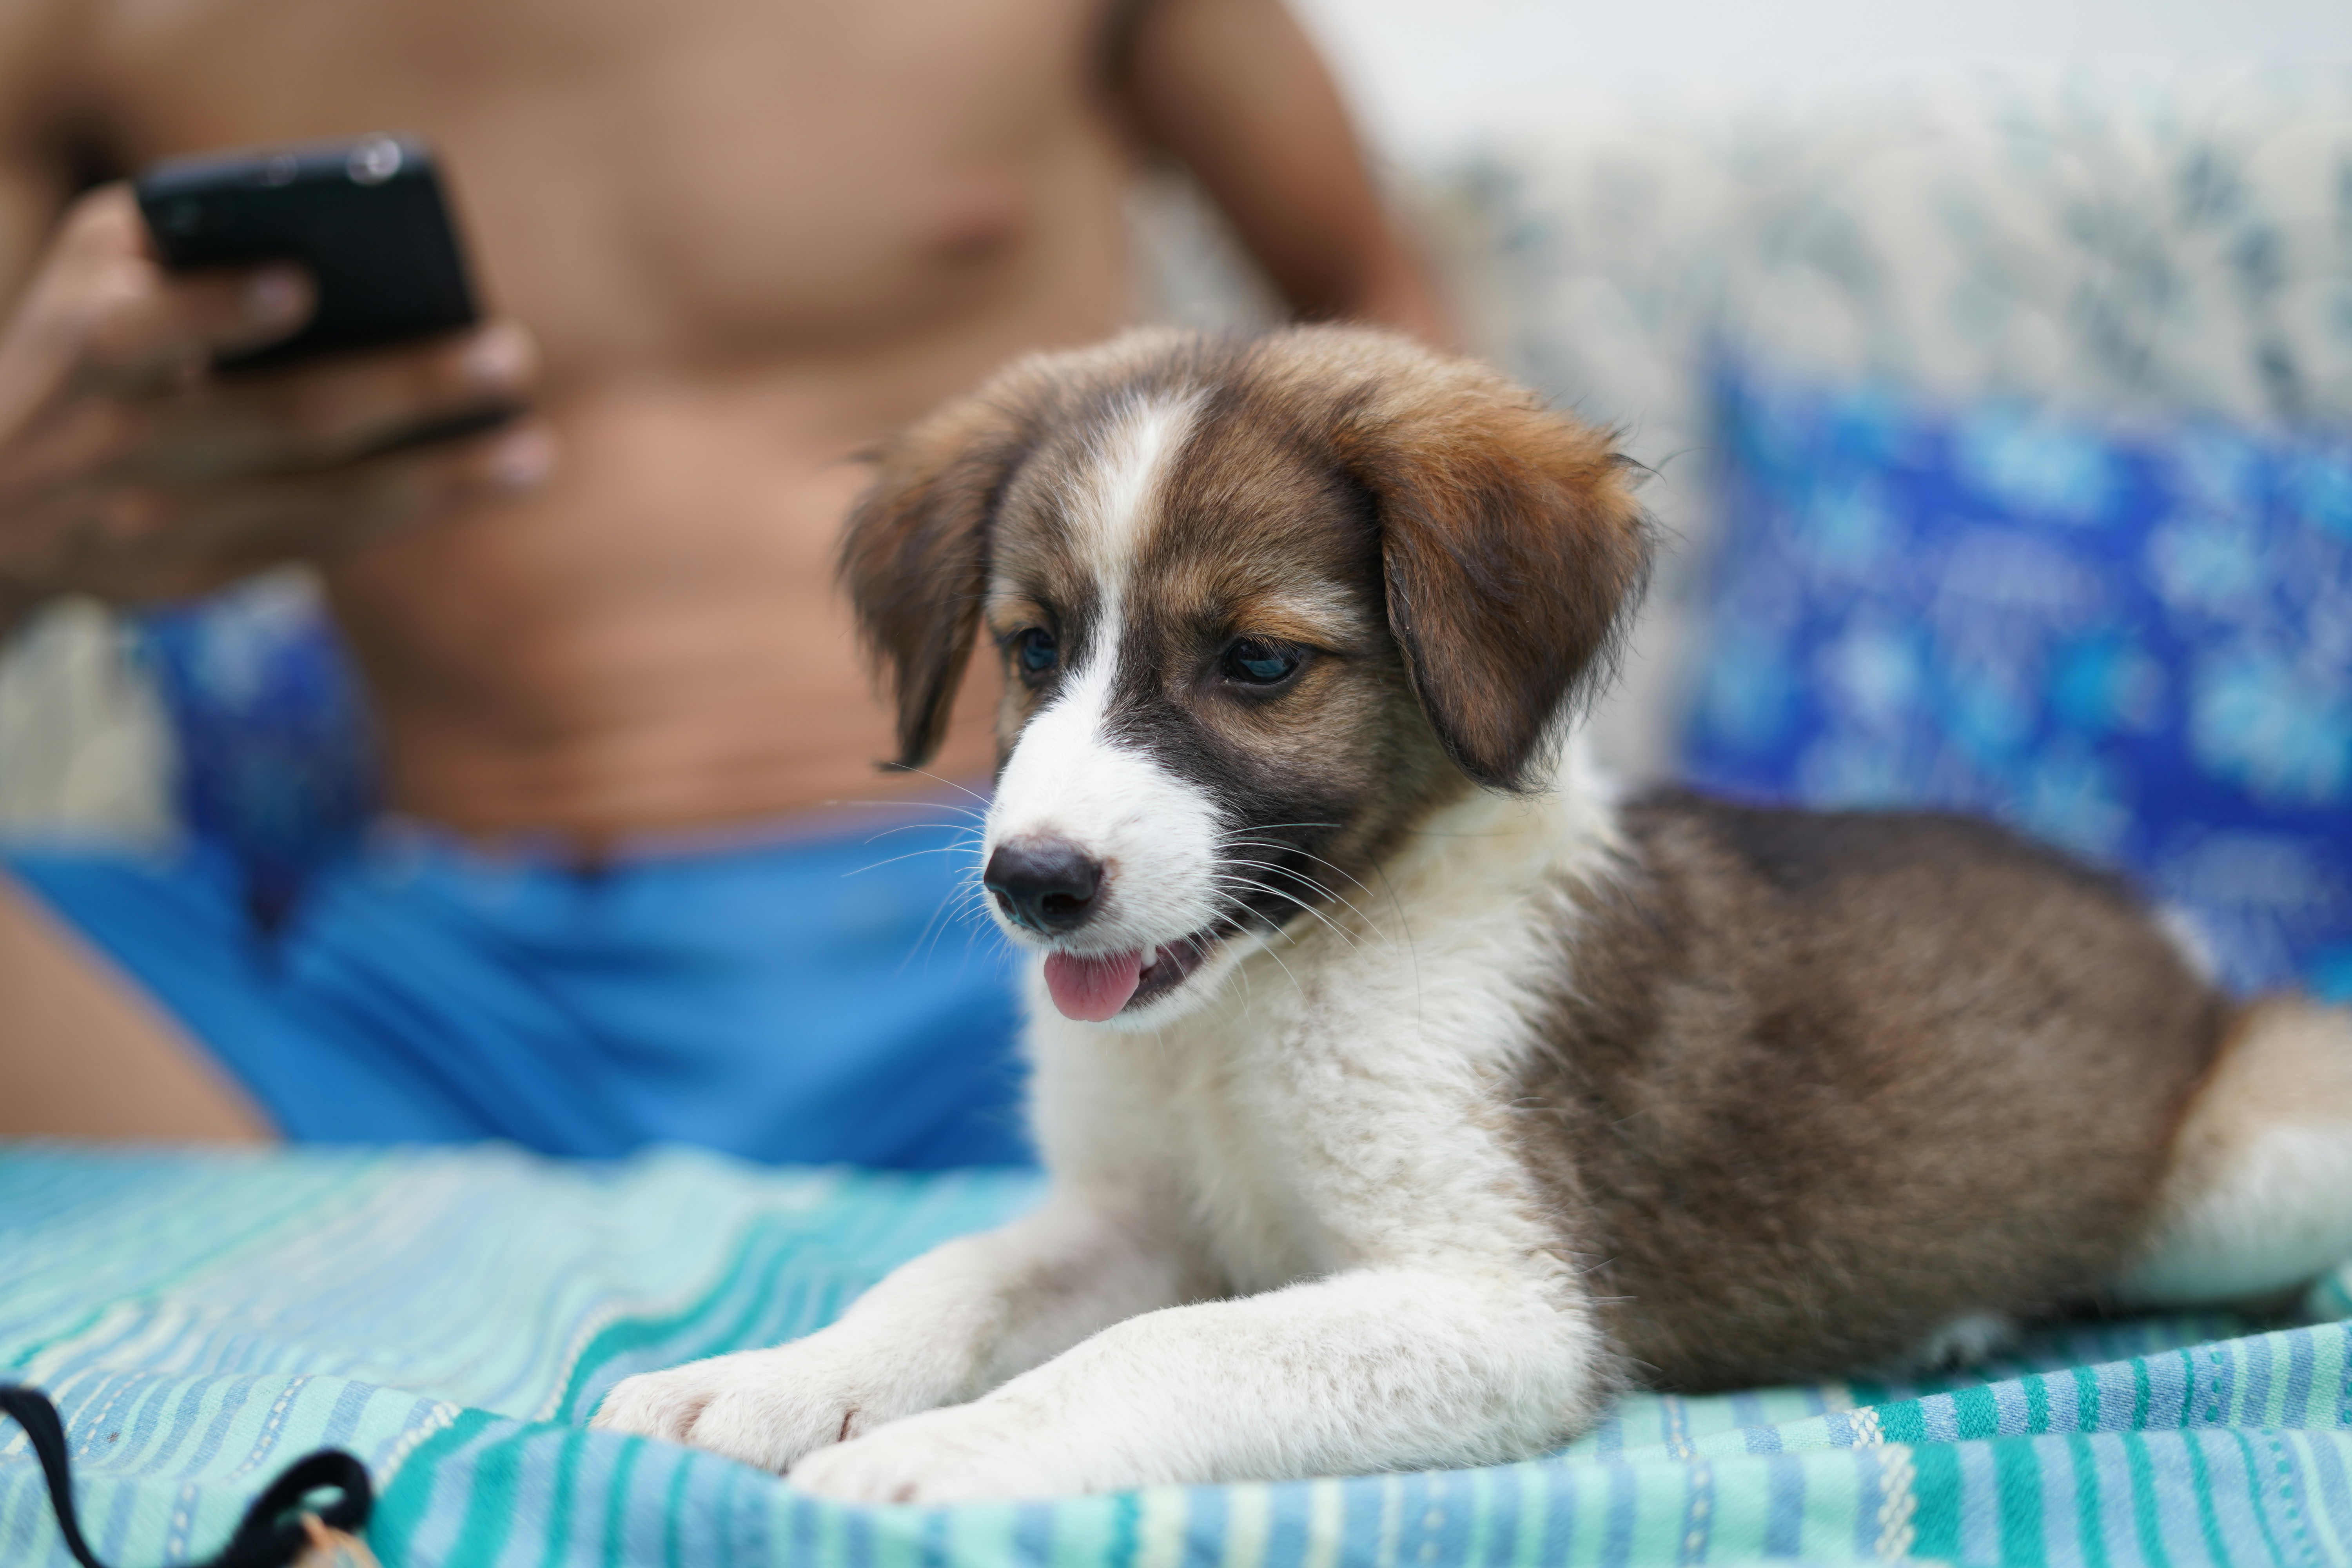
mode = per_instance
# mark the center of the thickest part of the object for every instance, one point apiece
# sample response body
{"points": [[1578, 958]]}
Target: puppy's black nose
{"points": [[1046, 884]]}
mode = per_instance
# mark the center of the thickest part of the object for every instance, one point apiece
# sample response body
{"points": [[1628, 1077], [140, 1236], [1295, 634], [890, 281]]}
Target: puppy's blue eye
{"points": [[1254, 663], [1037, 650]]}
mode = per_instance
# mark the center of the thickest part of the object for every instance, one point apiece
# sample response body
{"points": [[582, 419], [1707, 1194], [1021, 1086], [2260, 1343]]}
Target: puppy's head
{"points": [[1262, 604]]}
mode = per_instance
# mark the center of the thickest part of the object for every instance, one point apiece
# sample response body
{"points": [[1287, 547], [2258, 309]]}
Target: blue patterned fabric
{"points": [[275, 759], [453, 1316], [2133, 641]]}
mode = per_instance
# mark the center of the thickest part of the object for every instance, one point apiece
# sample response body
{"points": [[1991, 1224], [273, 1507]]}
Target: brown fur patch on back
{"points": [[1820, 1085]]}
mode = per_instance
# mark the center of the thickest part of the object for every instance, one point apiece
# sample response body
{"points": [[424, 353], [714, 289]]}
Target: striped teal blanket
{"points": [[453, 1317]]}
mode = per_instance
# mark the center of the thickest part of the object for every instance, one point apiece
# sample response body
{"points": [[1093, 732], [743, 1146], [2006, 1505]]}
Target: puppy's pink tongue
{"points": [[1092, 989]]}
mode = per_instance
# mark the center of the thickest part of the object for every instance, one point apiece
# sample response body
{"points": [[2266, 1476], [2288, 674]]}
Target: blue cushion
{"points": [[2133, 640]]}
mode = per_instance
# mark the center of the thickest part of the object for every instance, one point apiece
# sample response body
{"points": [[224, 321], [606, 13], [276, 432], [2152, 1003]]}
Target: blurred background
{"points": [[1993, 361]]}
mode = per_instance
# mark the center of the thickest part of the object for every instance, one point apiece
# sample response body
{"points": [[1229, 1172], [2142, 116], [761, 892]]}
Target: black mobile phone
{"points": [[365, 216]]}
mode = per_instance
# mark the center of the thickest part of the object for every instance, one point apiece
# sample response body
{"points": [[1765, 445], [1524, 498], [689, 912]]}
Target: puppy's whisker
{"points": [[1286, 969], [971, 831], [1413, 950], [909, 855], [1231, 878], [1311, 885], [1268, 928], [964, 902], [1242, 912], [1270, 827], [935, 778], [1293, 849], [1289, 849], [910, 806], [1310, 909], [1317, 888], [951, 907]]}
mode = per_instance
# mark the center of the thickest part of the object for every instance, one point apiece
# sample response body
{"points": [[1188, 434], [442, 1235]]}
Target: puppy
{"points": [[1407, 1092]]}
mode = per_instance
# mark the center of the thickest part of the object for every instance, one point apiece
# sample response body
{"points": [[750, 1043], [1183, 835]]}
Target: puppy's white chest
{"points": [[1251, 1166], [1341, 1104], [1300, 1130]]}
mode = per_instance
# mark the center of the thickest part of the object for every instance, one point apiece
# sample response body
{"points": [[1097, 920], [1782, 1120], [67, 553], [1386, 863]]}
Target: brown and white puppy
{"points": [[1406, 1091]]}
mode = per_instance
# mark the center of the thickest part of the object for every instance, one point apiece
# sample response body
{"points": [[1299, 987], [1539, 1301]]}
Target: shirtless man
{"points": [[735, 246]]}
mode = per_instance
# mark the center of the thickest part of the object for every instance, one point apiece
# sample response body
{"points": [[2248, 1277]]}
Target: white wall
{"points": [[1427, 75]]}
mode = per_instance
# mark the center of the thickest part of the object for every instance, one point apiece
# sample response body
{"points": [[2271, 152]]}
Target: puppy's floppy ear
{"points": [[1513, 549], [915, 558]]}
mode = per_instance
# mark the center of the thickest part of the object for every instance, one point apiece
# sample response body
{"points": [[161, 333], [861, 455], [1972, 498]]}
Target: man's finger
{"points": [[144, 329], [320, 516], [317, 415]]}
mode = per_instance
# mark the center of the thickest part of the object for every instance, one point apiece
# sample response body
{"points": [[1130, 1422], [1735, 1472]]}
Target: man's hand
{"points": [[130, 469]]}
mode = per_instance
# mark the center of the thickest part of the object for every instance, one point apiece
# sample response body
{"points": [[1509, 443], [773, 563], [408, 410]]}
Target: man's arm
{"points": [[40, 71], [41, 52], [1235, 92]]}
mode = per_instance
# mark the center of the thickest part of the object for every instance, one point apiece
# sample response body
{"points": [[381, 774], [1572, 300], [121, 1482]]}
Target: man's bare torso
{"points": [[751, 240]]}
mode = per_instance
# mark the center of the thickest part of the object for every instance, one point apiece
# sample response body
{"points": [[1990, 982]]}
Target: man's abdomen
{"points": [[653, 643]]}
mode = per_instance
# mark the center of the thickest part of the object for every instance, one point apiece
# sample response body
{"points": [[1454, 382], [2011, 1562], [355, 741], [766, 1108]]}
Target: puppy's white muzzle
{"points": [[1104, 854]]}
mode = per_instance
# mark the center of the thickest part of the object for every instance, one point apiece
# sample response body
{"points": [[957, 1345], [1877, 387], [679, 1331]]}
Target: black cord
{"points": [[271, 1534]]}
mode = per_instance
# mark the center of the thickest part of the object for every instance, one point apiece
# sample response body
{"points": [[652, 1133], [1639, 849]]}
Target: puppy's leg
{"points": [[949, 1325], [1367, 1371], [2259, 1199]]}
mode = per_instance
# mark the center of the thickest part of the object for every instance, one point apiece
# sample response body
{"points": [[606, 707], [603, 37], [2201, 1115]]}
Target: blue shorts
{"points": [[818, 998]]}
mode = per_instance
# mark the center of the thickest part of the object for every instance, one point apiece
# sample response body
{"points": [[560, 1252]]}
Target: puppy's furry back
{"points": [[1817, 1086]]}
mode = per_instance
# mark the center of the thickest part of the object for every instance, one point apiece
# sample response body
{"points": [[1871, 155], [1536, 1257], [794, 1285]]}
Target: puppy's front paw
{"points": [[763, 1407], [966, 1453]]}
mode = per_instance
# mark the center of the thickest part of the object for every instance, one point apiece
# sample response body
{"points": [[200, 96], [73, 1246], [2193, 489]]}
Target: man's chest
{"points": [[646, 176]]}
